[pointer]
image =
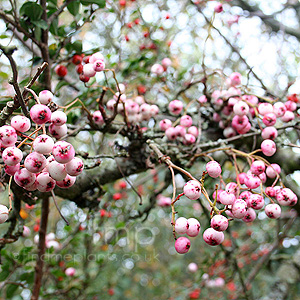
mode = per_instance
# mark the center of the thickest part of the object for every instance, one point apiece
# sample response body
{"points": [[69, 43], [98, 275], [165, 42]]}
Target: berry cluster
{"points": [[135, 110], [48, 163], [238, 200], [86, 66]]}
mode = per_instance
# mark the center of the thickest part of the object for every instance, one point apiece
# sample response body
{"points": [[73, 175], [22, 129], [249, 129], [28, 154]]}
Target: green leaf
{"points": [[32, 10], [10, 290], [4, 274], [100, 3], [40, 23], [74, 7], [54, 27], [77, 46]]}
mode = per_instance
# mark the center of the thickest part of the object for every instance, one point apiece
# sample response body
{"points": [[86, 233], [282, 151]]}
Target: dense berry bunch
{"points": [[33, 158]]}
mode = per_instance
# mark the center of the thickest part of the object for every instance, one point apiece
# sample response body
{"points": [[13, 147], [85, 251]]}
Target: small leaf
{"points": [[100, 3], [74, 7], [10, 290], [32, 10], [40, 23]]}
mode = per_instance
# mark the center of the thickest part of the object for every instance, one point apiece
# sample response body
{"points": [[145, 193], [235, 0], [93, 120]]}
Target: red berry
{"points": [[61, 71], [122, 185], [141, 89], [122, 2], [146, 34], [117, 196], [79, 68], [84, 78], [111, 292], [36, 228], [86, 59], [77, 59], [137, 21], [126, 38]]}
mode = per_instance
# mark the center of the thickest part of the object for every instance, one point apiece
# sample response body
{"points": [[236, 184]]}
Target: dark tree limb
{"points": [[41, 250]]}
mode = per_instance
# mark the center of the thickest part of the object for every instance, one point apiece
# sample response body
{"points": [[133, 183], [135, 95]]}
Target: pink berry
{"points": [[265, 108], [44, 182], [189, 139], [8, 136], [273, 170], [98, 65], [270, 133], [45, 97], [269, 119], [20, 123], [75, 166], [165, 124], [227, 198], [192, 189], [270, 191], [163, 201], [3, 213], [257, 167], [58, 131], [235, 79], [35, 162], [180, 131], [67, 182], [218, 8], [288, 116], [268, 147], [182, 245], [11, 170], [250, 215], [175, 107], [43, 144], [157, 69], [171, 133], [97, 118], [273, 211], [63, 152], [242, 177], [181, 225], [241, 108], [12, 156], [40, 114], [285, 197], [290, 105], [246, 197], [70, 271], [202, 99], [229, 132], [57, 171], [24, 178], [132, 108], [214, 169], [186, 121], [88, 70], [26, 231], [239, 208], [213, 237], [252, 181], [192, 267], [193, 227], [257, 201], [58, 118], [231, 188], [279, 109], [194, 131], [219, 223], [96, 56]]}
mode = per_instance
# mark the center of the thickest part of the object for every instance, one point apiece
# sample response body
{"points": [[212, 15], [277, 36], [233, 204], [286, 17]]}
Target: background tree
{"points": [[164, 64]]}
